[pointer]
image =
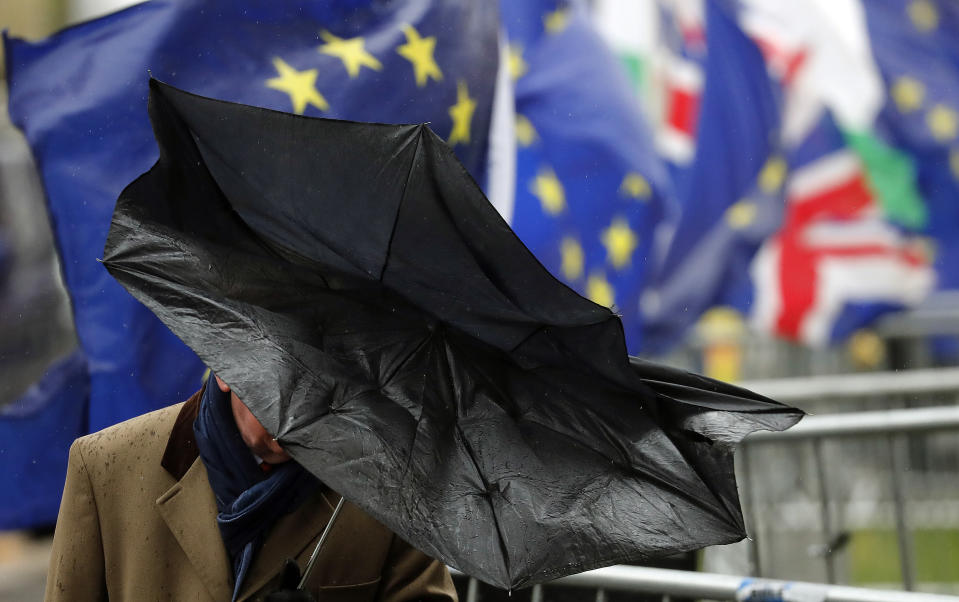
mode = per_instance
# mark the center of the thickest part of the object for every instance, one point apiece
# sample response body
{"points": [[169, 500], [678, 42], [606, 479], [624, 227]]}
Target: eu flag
{"points": [[916, 47], [590, 188], [80, 98]]}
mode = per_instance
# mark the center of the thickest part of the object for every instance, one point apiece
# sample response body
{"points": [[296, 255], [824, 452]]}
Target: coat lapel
{"points": [[189, 510], [291, 535]]}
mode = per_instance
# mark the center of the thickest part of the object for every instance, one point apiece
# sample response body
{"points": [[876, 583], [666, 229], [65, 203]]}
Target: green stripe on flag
{"points": [[892, 179], [636, 68]]}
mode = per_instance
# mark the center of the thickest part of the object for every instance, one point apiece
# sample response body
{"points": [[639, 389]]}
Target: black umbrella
{"points": [[356, 289]]}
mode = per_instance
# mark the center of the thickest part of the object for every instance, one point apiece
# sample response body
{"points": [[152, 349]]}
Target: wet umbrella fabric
{"points": [[356, 289]]}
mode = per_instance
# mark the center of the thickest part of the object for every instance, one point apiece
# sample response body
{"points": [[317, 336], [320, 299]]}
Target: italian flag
{"points": [[668, 81]]}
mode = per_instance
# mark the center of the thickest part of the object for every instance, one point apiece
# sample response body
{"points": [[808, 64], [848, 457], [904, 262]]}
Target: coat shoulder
{"points": [[145, 435]]}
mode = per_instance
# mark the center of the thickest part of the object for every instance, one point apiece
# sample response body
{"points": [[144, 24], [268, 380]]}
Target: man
{"points": [[197, 502]]}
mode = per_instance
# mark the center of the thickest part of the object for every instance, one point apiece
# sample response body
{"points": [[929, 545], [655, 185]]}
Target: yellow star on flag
{"points": [[572, 259], [954, 162], [741, 214], [548, 189], [772, 175], [866, 349], [620, 242], [300, 85], [635, 186], [350, 51], [907, 93], [556, 21], [923, 15], [525, 132], [517, 66], [599, 290], [943, 122], [419, 51], [462, 115]]}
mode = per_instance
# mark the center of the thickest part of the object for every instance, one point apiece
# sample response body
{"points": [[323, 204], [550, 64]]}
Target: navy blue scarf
{"points": [[249, 501]]}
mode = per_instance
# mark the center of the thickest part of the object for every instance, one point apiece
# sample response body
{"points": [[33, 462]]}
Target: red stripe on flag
{"points": [[793, 65], [799, 267], [797, 282], [683, 110], [844, 201], [784, 63]]}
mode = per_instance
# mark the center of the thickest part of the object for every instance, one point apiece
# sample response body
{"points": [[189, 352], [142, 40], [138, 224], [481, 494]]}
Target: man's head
{"points": [[254, 435]]}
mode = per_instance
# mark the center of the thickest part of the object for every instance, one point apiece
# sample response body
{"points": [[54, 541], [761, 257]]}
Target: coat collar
{"points": [[189, 510], [181, 450]]}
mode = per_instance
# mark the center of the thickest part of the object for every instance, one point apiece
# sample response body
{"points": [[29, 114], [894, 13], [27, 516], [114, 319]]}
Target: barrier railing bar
{"points": [[825, 522], [750, 515], [714, 586], [843, 386], [897, 453], [867, 423]]}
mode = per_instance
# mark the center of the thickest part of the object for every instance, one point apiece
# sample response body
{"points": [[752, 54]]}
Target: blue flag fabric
{"points": [[80, 98], [590, 188], [916, 47], [733, 196]]}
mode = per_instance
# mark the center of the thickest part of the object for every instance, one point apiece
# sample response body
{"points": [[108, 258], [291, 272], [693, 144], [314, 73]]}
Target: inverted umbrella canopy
{"points": [[356, 289]]}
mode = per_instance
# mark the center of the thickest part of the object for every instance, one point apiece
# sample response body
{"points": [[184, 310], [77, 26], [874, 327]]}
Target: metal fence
{"points": [[862, 471], [668, 584], [892, 426]]}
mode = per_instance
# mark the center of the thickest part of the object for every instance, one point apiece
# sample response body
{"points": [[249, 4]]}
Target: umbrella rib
{"points": [[600, 420], [723, 503], [666, 485], [533, 332], [399, 206], [273, 246], [419, 420], [501, 540], [405, 360], [767, 407]]}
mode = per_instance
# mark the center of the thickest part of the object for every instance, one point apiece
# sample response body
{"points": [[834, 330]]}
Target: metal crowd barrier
{"points": [[712, 586], [892, 424]]}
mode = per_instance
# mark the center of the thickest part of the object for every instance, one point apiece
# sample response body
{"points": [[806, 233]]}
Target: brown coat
{"points": [[131, 528]]}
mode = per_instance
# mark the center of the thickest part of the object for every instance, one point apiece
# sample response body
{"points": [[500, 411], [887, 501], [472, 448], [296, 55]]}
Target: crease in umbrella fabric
{"points": [[355, 288]]}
